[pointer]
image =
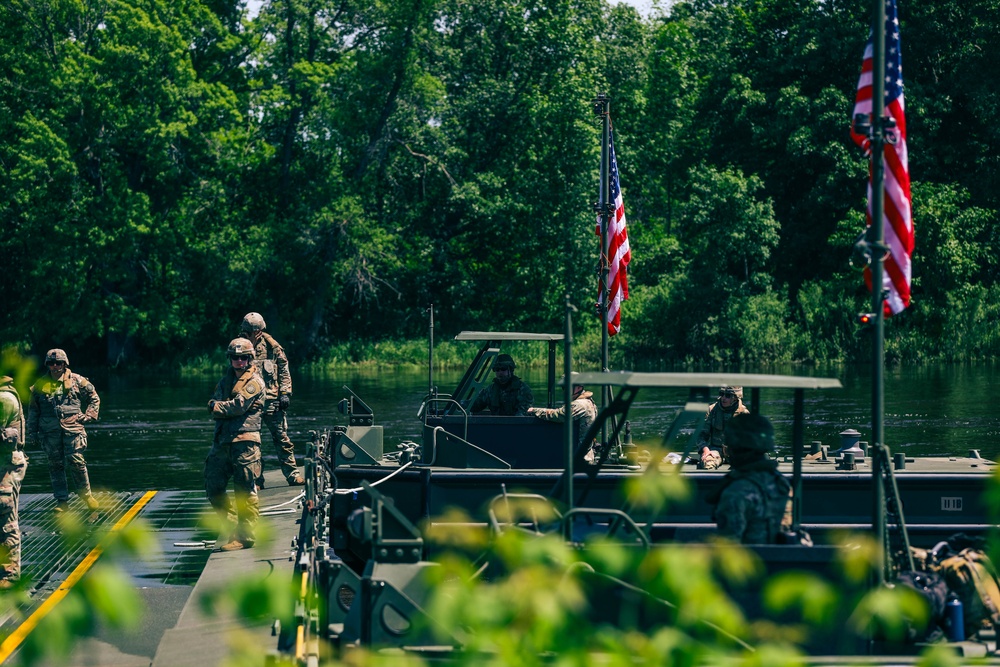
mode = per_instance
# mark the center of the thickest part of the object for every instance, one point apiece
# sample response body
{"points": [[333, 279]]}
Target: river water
{"points": [[154, 432]]}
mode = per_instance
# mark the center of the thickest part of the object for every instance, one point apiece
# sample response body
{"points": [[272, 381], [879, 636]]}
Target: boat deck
{"points": [[175, 631]]}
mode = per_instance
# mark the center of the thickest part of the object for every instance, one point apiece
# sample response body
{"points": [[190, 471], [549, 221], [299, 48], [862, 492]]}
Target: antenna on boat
{"points": [[431, 391]]}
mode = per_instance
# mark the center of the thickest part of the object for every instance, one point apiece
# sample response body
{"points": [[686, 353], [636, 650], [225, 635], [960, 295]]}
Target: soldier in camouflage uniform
{"points": [[236, 406], [712, 439], [584, 412], [272, 363], [754, 504], [507, 394], [61, 403], [14, 465]]}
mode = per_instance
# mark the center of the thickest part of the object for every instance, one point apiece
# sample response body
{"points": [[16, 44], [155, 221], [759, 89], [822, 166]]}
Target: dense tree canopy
{"points": [[338, 165]]}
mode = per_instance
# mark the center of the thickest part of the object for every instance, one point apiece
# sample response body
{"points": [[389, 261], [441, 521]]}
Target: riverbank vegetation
{"points": [[338, 166]]}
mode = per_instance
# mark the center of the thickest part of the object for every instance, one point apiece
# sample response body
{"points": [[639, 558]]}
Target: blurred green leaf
{"points": [[814, 597]]}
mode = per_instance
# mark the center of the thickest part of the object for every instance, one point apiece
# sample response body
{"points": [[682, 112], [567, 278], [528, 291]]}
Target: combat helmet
{"points": [[736, 390], [750, 432], [238, 347], [56, 354], [576, 387], [504, 361], [252, 323]]}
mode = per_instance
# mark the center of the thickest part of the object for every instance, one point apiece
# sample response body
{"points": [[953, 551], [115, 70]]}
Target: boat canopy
{"points": [[507, 335], [755, 380]]}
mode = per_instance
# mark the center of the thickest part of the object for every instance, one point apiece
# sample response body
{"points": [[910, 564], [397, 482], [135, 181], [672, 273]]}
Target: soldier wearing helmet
{"points": [[507, 394], [754, 503], [584, 413], [712, 439], [236, 407], [272, 363], [13, 466], [61, 403]]}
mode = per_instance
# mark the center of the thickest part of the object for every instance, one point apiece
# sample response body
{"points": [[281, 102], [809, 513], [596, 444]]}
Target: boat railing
{"points": [[424, 412], [444, 448], [616, 520], [537, 514], [539, 511]]}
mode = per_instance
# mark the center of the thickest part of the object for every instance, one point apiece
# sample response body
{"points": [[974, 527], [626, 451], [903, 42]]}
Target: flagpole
{"points": [[878, 291], [602, 107]]}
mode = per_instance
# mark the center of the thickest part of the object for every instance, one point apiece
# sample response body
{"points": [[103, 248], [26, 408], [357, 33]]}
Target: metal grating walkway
{"points": [[49, 555]]}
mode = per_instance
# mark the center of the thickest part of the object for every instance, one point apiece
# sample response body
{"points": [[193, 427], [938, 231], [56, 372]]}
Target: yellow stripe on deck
{"points": [[17, 637]]}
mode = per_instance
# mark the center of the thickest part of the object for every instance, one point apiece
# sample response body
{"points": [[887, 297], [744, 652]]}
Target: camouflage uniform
{"points": [[511, 399], [14, 465], [236, 407], [754, 505], [272, 363], [54, 422], [713, 433], [584, 412]]}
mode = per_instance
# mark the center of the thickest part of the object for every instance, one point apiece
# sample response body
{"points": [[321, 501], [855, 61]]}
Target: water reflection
{"points": [[155, 433]]}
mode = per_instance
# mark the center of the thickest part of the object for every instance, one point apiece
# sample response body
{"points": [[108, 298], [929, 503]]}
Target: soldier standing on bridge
{"points": [[15, 464], [236, 407], [272, 363], [61, 403]]}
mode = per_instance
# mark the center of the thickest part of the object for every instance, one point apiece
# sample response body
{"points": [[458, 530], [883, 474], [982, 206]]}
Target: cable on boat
{"points": [[358, 489], [296, 499]]}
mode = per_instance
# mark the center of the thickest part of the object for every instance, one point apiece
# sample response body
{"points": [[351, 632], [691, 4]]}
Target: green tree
{"points": [[115, 129]]}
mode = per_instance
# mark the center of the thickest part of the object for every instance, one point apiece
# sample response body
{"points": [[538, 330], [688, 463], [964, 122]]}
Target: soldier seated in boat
{"points": [[584, 412], [754, 503], [508, 394], [712, 439]]}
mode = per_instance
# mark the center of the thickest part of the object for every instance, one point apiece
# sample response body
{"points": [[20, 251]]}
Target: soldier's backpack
{"points": [[934, 591], [971, 576]]}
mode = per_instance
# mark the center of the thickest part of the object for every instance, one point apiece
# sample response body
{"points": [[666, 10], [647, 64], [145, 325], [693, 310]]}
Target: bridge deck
{"points": [[174, 630]]}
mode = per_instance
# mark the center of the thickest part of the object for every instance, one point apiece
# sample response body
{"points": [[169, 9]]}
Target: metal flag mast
{"points": [[881, 466], [877, 233], [605, 209]]}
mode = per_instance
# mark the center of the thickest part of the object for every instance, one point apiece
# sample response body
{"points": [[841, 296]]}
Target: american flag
{"points": [[619, 254], [898, 220]]}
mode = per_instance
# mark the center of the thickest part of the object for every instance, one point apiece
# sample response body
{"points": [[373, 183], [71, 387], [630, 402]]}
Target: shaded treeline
{"points": [[168, 165]]}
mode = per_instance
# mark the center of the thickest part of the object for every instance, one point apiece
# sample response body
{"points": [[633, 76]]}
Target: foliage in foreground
{"points": [[542, 601], [105, 597], [520, 597]]}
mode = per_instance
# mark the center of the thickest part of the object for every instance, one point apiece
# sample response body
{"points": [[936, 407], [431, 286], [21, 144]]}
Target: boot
{"points": [[93, 506], [236, 545]]}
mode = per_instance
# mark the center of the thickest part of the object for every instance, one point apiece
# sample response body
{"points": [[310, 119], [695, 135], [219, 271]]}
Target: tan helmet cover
{"points": [[56, 354], [253, 322], [240, 346]]}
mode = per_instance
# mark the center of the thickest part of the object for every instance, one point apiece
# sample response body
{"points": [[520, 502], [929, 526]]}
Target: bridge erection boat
{"points": [[365, 547], [465, 460]]}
